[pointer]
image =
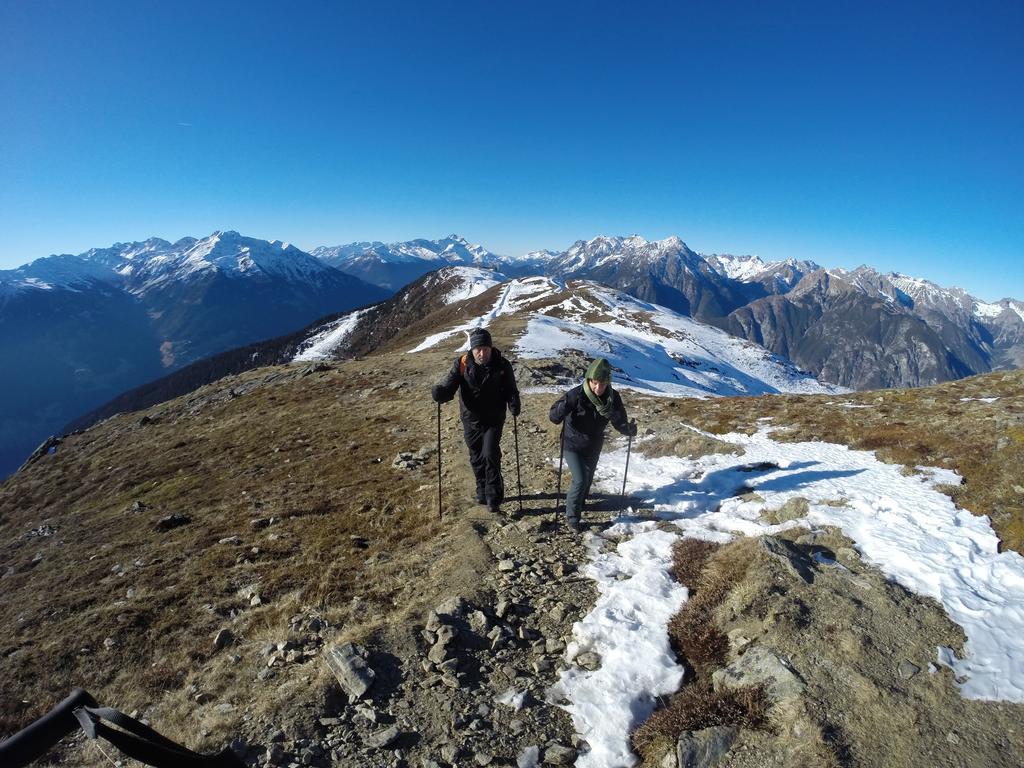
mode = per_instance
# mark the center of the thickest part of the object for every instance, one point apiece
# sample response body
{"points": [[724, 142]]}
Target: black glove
{"points": [[437, 392], [631, 429], [514, 409]]}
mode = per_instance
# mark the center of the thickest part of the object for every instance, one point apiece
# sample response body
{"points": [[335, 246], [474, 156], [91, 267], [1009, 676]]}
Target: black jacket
{"points": [[584, 426], [484, 390]]}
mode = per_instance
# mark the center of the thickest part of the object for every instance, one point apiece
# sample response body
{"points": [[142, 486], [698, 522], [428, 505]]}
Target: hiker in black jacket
{"points": [[486, 385], [586, 410]]}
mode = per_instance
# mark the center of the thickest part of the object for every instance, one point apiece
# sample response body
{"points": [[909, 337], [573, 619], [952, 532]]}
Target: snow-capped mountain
{"points": [[78, 330], [396, 264], [859, 328]]}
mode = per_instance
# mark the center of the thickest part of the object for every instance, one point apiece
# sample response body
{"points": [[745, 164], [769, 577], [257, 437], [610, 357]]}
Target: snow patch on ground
{"points": [[656, 350], [512, 297], [901, 524], [627, 630]]}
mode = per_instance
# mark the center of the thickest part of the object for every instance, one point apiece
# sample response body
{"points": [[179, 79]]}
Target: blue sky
{"points": [[888, 134]]}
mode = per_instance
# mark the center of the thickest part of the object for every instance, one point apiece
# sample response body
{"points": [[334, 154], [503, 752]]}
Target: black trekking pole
{"points": [[561, 445], [629, 445], [440, 513], [519, 477]]}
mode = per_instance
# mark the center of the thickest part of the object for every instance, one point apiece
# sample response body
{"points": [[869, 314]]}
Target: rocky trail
{"points": [[470, 687]]}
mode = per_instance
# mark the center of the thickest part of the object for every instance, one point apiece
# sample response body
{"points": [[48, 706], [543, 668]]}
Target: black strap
{"points": [[142, 743]]}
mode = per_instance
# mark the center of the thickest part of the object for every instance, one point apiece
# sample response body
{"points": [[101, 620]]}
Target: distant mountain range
{"points": [[79, 330], [75, 331], [860, 329]]}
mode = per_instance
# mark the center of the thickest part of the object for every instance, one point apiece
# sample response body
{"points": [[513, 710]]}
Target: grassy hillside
{"points": [[267, 503]]}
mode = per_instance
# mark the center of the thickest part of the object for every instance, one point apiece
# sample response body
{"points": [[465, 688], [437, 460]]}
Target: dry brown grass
{"points": [[310, 452], [712, 570], [695, 707], [689, 444]]}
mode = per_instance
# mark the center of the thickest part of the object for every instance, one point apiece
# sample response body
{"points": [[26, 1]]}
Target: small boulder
{"points": [[349, 666], [223, 639]]}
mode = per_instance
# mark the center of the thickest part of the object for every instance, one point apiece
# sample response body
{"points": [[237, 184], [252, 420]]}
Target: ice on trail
{"points": [[627, 631]]}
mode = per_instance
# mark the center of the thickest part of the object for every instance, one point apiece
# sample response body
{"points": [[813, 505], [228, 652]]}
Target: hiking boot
{"points": [[494, 507], [573, 523]]}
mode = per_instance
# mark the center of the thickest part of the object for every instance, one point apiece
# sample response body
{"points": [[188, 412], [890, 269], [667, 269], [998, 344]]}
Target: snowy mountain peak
{"points": [[736, 267]]}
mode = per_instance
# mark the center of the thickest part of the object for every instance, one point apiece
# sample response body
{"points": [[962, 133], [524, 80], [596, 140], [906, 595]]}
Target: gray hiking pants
{"points": [[582, 465]]}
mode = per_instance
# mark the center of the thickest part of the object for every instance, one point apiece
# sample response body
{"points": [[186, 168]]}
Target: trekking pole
{"points": [[629, 445], [519, 477], [440, 513], [561, 445]]}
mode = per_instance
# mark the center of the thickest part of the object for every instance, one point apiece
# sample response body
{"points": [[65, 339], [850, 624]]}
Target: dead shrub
{"points": [[695, 707], [713, 570]]}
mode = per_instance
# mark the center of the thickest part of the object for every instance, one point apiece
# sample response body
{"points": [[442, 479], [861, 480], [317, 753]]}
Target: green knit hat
{"points": [[600, 370]]}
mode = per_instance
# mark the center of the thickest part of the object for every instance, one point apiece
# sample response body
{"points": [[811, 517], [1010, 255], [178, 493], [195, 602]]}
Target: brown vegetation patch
{"points": [[299, 469], [712, 570], [695, 707], [684, 443]]}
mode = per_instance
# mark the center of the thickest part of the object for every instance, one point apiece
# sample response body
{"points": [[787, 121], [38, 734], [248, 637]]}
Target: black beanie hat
{"points": [[479, 338]]}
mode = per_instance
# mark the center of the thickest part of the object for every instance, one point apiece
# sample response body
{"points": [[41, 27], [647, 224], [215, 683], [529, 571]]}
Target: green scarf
{"points": [[603, 404]]}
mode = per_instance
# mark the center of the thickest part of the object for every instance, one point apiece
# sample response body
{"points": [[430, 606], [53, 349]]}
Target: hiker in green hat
{"points": [[586, 410]]}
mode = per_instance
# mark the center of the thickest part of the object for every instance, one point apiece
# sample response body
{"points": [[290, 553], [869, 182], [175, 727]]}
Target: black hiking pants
{"points": [[484, 443]]}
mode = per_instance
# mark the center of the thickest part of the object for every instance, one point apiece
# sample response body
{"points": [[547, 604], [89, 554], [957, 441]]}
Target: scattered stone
{"points": [[760, 666], [588, 660], [559, 754], [231, 541], [704, 748], [349, 666], [383, 739], [450, 753], [907, 669], [223, 639], [275, 754], [453, 607], [506, 565], [165, 524], [789, 555], [366, 711], [478, 622], [738, 640]]}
